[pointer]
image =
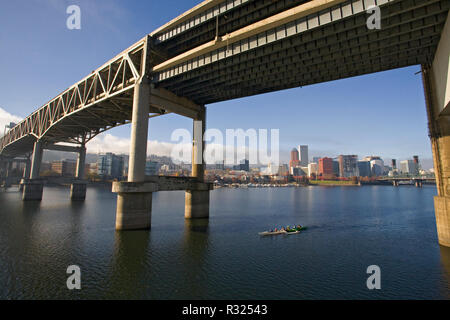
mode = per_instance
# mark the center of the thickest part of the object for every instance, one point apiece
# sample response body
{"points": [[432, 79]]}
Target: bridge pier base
{"points": [[78, 188], [78, 191], [33, 187], [134, 205], [32, 190], [196, 204]]}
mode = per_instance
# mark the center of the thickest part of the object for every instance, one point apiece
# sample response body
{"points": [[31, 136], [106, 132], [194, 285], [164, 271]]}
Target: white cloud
{"points": [[110, 143], [6, 118]]}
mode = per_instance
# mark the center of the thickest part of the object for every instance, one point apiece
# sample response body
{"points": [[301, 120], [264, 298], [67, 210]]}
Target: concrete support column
{"points": [[134, 204], [32, 188], [436, 81], [78, 188], [26, 173], [8, 180], [197, 201]]}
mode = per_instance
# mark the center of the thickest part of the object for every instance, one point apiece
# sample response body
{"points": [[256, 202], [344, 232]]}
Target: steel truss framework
{"points": [[100, 101]]}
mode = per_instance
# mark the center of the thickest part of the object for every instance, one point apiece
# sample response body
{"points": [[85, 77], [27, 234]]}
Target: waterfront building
{"points": [[409, 167], [303, 153], [244, 165], [110, 166], [364, 168], [336, 168], [283, 170], [294, 159], [326, 167], [65, 168], [313, 169], [348, 166], [152, 168]]}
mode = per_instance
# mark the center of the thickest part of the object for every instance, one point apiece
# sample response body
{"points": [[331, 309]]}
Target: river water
{"points": [[350, 228]]}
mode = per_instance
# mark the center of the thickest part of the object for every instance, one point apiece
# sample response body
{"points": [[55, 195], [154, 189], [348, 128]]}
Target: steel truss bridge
{"points": [[227, 49]]}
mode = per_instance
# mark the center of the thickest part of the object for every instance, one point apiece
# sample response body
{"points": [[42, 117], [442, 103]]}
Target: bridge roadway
{"points": [[227, 49]]}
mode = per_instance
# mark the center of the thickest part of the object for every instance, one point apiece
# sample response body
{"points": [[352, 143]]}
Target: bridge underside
{"points": [[330, 45]]}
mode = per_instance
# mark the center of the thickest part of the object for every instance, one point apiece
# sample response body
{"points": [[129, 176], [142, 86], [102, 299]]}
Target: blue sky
{"points": [[382, 114]]}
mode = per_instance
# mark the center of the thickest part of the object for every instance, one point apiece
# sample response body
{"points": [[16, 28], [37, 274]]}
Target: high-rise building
{"points": [[409, 167], [336, 168], [294, 159], [348, 166], [244, 165], [376, 165], [326, 167], [364, 168], [303, 152], [110, 166], [313, 169], [394, 164]]}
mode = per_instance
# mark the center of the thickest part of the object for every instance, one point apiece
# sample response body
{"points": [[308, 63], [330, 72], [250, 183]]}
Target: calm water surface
{"points": [[350, 228]]}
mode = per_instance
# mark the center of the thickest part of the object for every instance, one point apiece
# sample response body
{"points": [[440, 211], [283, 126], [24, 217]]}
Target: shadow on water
{"points": [[195, 247], [31, 207], [445, 261], [129, 265]]}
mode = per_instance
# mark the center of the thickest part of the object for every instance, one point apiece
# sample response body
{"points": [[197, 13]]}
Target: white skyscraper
{"points": [[303, 152]]}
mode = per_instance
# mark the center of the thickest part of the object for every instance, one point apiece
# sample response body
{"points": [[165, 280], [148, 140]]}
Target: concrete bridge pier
{"points": [[419, 183], [436, 81], [134, 198], [33, 187], [78, 187], [8, 177], [197, 201], [26, 173], [395, 183]]}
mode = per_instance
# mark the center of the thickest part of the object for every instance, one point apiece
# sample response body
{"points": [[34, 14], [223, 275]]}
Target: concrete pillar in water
{"points": [[134, 198], [197, 201], [8, 179], [26, 173], [436, 80], [33, 188], [78, 187]]}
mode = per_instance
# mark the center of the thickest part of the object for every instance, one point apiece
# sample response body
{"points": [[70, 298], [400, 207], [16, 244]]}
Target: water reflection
{"points": [[129, 264], [195, 248]]}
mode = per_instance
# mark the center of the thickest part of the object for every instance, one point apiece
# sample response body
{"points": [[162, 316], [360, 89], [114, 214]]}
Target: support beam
{"points": [[166, 100], [196, 201], [437, 96], [134, 203], [33, 188], [62, 148]]}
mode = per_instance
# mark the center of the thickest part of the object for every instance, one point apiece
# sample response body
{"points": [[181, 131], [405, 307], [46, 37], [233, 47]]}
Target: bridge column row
{"points": [[32, 186]]}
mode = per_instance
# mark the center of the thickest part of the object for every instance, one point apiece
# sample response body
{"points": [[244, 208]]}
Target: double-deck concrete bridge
{"points": [[226, 49]]}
